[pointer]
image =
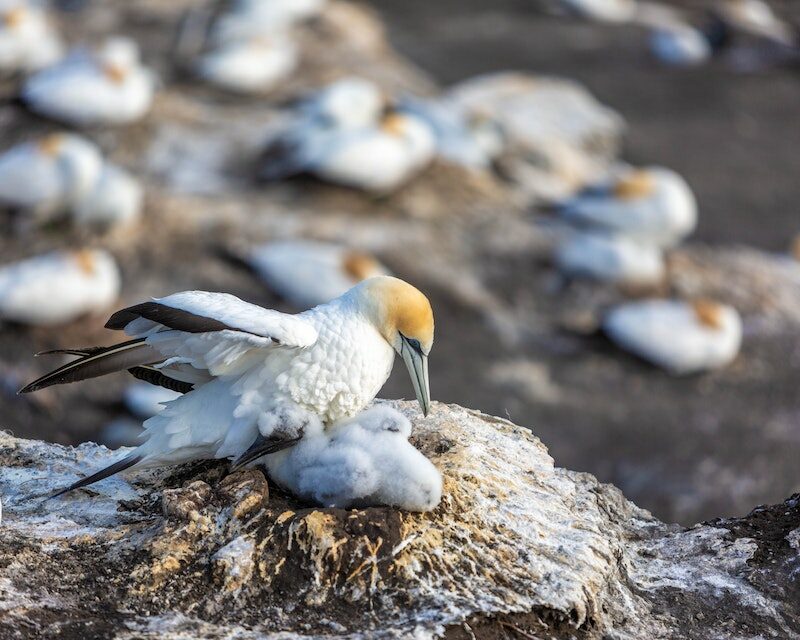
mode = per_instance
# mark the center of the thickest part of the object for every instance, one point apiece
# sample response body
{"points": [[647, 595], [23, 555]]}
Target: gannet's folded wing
{"points": [[213, 331]]}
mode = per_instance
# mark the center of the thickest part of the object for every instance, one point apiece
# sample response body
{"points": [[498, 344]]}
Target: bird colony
{"points": [[283, 152]]}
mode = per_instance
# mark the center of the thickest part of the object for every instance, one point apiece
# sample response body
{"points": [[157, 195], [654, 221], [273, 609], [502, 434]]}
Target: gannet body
{"points": [[610, 258], [346, 103], [653, 205], [105, 87], [115, 200], [308, 273], [254, 18], [249, 66], [256, 377], [680, 337], [145, 400], [50, 174], [56, 288], [365, 460], [28, 41], [602, 10], [680, 45]]}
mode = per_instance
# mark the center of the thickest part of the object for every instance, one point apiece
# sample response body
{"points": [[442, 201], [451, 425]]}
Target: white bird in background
{"points": [[28, 41], [49, 175], [256, 377], [345, 103], [601, 10], [246, 19], [363, 461], [56, 288], [378, 159], [610, 258], [308, 273], [680, 337], [653, 205], [250, 66], [756, 18], [467, 139], [114, 201], [108, 86], [680, 45]]}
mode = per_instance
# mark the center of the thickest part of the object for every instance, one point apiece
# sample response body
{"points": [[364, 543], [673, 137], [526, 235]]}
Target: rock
{"points": [[517, 545]]}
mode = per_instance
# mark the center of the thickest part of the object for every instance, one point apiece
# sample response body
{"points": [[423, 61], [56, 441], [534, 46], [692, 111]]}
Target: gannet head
{"points": [[403, 316], [639, 183], [14, 17], [708, 312]]}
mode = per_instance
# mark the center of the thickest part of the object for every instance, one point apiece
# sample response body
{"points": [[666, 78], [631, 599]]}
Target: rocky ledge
{"points": [[518, 548]]}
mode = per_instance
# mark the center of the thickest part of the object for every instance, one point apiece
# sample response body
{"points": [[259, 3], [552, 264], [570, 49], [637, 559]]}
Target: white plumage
{"points": [[757, 18], [680, 45], [27, 39], [145, 400], [680, 337], [250, 66], [602, 10], [346, 103], [309, 273], [254, 18], [610, 258], [364, 461], [105, 87], [115, 200], [653, 205], [56, 288], [49, 175]]}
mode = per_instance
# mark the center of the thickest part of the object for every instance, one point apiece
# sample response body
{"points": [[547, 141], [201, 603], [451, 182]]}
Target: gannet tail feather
{"points": [[121, 465], [119, 357]]}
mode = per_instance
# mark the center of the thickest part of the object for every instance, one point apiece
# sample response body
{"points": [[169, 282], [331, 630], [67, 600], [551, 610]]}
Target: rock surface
{"points": [[517, 547]]}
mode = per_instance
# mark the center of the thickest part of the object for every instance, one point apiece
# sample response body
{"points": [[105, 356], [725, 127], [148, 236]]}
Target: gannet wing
{"points": [[212, 331]]}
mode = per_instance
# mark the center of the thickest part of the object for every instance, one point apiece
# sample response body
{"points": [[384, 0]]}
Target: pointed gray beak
{"points": [[417, 364]]}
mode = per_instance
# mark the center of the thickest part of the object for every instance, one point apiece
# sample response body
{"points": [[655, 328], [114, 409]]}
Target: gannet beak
{"points": [[417, 364]]}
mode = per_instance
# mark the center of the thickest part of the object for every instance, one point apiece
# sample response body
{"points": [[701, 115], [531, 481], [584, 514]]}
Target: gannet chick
{"points": [[467, 139], [254, 18], [250, 66], [115, 200], [377, 159], [364, 461], [253, 377], [307, 273], [602, 10], [56, 288], [653, 205], [106, 87], [49, 175], [28, 41], [680, 337], [610, 258], [145, 400]]}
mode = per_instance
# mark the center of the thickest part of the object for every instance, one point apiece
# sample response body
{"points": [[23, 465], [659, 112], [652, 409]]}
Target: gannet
{"points": [[376, 158], [108, 86], [468, 139], [250, 66], [27, 39], [348, 102], [678, 336], [253, 18], [58, 287], [49, 175], [114, 200], [653, 205], [255, 377], [756, 18], [610, 258], [680, 45], [308, 273], [363, 461]]}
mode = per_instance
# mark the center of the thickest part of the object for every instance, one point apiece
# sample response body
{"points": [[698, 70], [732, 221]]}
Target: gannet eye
{"points": [[413, 343]]}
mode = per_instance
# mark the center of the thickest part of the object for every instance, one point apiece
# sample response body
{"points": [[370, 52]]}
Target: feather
{"points": [[264, 446], [171, 317], [160, 379], [110, 359], [121, 465]]}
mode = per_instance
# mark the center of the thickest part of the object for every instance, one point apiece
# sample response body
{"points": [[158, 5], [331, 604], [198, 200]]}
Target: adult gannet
{"points": [[250, 66], [308, 273], [49, 175], [653, 205], [363, 461], [28, 41], [255, 376], [254, 18], [108, 86], [610, 258], [114, 200], [377, 158], [58, 287], [681, 337]]}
